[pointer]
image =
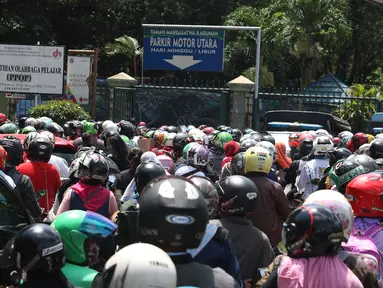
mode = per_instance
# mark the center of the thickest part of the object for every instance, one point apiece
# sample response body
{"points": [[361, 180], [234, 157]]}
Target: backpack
{"points": [[127, 224]]}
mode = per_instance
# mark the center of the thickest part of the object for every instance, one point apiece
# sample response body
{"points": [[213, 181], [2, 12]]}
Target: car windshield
{"points": [[67, 154]]}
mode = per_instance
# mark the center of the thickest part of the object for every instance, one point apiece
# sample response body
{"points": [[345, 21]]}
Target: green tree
{"points": [[60, 111], [128, 47]]}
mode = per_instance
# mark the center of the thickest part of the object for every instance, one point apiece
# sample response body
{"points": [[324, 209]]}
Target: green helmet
{"points": [[343, 172], [248, 131], [221, 139], [187, 148], [46, 121], [90, 128], [343, 141], [149, 134], [28, 129], [8, 128], [126, 139], [76, 226]]}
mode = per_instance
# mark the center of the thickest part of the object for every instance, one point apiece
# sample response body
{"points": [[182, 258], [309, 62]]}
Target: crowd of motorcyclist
{"points": [[185, 206]]}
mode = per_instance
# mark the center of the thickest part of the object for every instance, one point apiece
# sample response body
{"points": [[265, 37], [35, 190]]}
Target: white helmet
{"points": [[140, 265], [344, 134], [269, 147], [106, 123], [169, 141], [379, 136], [338, 204], [322, 145], [111, 128], [321, 132], [196, 132]]}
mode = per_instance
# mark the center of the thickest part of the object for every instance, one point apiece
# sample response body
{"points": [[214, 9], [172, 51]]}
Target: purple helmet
{"points": [[199, 155]]}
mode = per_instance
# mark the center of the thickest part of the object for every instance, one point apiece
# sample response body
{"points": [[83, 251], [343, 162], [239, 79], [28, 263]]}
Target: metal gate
{"points": [[123, 101]]}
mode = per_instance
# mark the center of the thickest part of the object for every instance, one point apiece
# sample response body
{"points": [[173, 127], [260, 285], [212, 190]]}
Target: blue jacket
{"points": [[217, 253]]}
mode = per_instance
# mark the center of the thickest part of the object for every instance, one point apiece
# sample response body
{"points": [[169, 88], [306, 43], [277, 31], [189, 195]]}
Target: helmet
{"points": [[343, 172], [111, 128], [379, 136], [322, 145], [39, 249], [180, 141], [146, 172], [73, 169], [321, 132], [40, 148], [294, 140], [209, 191], [186, 149], [45, 122], [90, 127], [169, 141], [3, 158], [248, 131], [306, 146], [306, 135], [365, 195], [336, 141], [376, 149], [28, 129], [140, 265], [127, 128], [236, 134], [268, 138], [255, 136], [22, 122], [56, 129], [312, 231], [344, 134], [337, 154], [167, 163], [239, 195], [28, 139], [8, 128], [269, 147], [366, 161], [161, 139], [208, 130], [246, 144], [338, 204], [379, 163], [93, 165], [199, 155], [50, 136], [358, 140], [257, 159], [221, 139], [142, 124], [237, 164], [172, 129], [173, 213], [14, 150], [31, 122], [3, 118], [370, 138], [106, 123], [364, 149], [76, 226]]}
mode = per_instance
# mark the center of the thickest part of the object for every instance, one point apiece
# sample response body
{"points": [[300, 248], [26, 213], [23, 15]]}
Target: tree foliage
{"points": [[60, 111]]}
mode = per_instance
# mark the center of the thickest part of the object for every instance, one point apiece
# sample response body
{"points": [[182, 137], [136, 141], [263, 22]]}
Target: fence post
{"points": [[241, 92], [121, 80]]}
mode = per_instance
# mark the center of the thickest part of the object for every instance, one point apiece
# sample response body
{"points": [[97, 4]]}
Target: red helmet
{"points": [[294, 140], [305, 135], [365, 194], [336, 141], [208, 130], [3, 118], [3, 158], [201, 127], [358, 140]]}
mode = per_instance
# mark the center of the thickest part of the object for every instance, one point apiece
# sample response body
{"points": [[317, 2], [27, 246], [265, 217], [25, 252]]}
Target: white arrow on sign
{"points": [[182, 62]]}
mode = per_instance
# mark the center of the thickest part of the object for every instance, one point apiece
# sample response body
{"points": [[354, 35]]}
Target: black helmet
{"points": [[343, 172], [239, 195], [312, 231], [180, 141], [222, 128], [306, 146], [268, 138], [248, 143], [40, 148], [236, 134], [366, 161], [376, 149], [209, 191], [56, 129], [93, 166], [173, 213], [127, 129], [379, 162], [14, 150], [146, 172], [237, 164], [39, 250], [337, 154], [22, 122], [172, 129], [255, 136]]}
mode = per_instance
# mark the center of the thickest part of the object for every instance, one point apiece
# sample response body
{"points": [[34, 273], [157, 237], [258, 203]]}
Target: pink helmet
{"points": [[167, 163], [142, 124]]}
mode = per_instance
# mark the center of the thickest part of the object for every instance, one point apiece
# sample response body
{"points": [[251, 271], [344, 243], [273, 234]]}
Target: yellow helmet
{"points": [[257, 159], [370, 138]]}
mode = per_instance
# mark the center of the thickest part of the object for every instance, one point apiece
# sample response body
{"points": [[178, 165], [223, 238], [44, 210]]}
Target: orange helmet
{"points": [[3, 158]]}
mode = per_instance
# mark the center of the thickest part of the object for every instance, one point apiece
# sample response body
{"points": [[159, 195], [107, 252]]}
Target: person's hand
{"points": [[248, 283]]}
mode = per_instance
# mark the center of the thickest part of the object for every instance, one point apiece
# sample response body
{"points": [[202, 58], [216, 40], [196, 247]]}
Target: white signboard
{"points": [[31, 69], [77, 79]]}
